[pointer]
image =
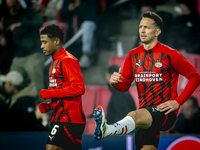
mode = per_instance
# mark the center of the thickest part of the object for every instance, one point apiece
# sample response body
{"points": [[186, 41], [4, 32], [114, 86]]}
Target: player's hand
{"points": [[168, 106], [115, 77], [44, 107]]}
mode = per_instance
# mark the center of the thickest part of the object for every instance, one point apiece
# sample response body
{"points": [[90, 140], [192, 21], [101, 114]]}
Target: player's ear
{"points": [[158, 31], [57, 41]]}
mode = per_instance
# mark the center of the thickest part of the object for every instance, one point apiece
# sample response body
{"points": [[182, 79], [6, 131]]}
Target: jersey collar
{"points": [[154, 48], [60, 53]]}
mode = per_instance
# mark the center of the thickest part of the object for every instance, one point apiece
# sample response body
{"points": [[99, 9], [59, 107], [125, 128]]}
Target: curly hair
{"points": [[53, 31]]}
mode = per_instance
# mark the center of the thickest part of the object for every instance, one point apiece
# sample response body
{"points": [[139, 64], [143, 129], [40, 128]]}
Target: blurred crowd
{"points": [[22, 62]]}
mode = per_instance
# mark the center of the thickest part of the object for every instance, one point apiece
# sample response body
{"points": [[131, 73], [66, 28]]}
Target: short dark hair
{"points": [[113, 68], [155, 17], [194, 101], [53, 31]]}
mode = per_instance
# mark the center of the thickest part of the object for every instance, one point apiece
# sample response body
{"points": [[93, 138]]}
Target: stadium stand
{"points": [[89, 102], [89, 99], [103, 97], [117, 60], [90, 125]]}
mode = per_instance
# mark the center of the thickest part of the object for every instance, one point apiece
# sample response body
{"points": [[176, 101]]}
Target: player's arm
{"points": [[123, 79], [73, 87], [182, 66]]}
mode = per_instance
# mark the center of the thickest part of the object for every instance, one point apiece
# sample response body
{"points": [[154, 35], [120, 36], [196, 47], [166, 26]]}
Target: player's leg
{"points": [[148, 147], [140, 117], [147, 139], [53, 147], [67, 136]]}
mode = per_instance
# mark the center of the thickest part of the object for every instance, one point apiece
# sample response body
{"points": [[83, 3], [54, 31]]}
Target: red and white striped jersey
{"points": [[156, 73], [66, 85]]}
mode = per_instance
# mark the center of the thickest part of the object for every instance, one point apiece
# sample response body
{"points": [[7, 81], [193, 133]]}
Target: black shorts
{"points": [[66, 135], [151, 136]]}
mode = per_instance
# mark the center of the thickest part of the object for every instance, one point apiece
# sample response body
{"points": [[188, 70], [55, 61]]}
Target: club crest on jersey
{"points": [[158, 64], [53, 70]]}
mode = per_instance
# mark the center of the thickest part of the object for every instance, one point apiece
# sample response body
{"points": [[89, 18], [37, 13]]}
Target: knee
{"points": [[134, 115], [149, 147], [142, 118]]}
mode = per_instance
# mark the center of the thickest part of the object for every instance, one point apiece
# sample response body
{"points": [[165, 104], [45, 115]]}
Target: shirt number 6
{"points": [[54, 130]]}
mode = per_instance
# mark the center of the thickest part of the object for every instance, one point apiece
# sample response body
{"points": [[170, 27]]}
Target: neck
{"points": [[58, 48], [150, 45]]}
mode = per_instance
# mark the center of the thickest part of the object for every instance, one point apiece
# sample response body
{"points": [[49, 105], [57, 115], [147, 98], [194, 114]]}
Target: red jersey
{"points": [[66, 85], [156, 73]]}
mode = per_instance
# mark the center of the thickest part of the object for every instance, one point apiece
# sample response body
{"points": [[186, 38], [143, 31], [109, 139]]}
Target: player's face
{"points": [[148, 31], [48, 45]]}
